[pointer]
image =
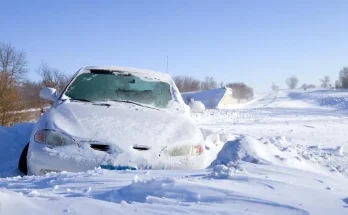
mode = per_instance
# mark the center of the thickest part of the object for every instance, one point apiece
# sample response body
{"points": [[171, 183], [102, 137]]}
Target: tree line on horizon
{"points": [[325, 82]]}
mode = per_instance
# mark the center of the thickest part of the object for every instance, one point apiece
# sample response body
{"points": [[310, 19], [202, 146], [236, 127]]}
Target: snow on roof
{"points": [[210, 98], [145, 73]]}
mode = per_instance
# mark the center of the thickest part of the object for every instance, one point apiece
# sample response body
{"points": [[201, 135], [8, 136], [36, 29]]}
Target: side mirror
{"points": [[48, 93], [197, 107]]}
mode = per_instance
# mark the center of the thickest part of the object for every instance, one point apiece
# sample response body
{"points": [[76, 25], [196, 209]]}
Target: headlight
{"points": [[53, 138], [185, 150]]}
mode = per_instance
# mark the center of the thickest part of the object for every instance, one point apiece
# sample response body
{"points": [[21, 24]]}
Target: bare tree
{"points": [[344, 77], [275, 87], [12, 71], [51, 77], [222, 84], [187, 84], [30, 91], [12, 63], [292, 82], [325, 82], [209, 83]]}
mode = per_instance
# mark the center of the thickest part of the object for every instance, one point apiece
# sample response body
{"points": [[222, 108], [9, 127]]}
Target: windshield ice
{"points": [[120, 87]]}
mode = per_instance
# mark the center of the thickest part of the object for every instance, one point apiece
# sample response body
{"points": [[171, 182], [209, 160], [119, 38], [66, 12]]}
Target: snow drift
{"points": [[12, 141], [283, 154]]}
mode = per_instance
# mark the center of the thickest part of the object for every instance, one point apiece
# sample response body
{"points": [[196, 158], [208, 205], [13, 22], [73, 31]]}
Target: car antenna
{"points": [[167, 65]]}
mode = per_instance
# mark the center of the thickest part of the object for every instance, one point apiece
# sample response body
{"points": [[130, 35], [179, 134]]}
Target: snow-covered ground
{"points": [[282, 153]]}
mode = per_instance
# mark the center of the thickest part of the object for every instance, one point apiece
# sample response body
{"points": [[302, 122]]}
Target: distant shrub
{"points": [[311, 86], [344, 77], [292, 82], [241, 91]]}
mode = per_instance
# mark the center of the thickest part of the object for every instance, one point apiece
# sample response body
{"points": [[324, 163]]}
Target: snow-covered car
{"points": [[114, 118]]}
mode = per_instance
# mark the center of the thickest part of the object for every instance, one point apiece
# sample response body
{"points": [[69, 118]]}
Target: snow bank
{"points": [[210, 98], [12, 141]]}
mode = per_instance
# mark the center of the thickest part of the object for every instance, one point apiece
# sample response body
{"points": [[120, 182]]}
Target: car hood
{"points": [[123, 124]]}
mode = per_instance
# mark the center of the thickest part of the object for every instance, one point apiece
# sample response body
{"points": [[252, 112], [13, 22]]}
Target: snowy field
{"points": [[282, 153]]}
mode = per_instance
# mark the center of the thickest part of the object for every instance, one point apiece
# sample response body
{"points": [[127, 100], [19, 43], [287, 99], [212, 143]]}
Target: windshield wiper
{"points": [[93, 103], [114, 100], [80, 100], [131, 102]]}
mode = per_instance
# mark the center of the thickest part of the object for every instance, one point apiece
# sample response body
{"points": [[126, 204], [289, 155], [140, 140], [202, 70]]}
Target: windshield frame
{"points": [[63, 96]]}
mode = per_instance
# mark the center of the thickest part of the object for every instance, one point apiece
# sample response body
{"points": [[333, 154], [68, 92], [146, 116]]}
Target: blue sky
{"points": [[257, 42]]}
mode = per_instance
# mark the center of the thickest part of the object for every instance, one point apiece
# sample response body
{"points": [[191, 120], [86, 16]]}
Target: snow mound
{"points": [[226, 171], [197, 107], [222, 172], [245, 149], [12, 141]]}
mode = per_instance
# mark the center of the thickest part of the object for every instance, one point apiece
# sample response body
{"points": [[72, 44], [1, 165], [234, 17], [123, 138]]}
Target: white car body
{"points": [[116, 134]]}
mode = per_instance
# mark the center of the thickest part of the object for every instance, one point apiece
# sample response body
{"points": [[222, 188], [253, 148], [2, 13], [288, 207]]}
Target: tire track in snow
{"points": [[275, 97]]}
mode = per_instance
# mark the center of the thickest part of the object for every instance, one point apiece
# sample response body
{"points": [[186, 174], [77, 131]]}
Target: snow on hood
{"points": [[123, 124]]}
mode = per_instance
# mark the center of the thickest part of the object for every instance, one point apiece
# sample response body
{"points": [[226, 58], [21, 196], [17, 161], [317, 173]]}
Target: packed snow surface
{"points": [[283, 153]]}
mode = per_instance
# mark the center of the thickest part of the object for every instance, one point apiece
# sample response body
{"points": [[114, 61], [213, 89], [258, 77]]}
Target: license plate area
{"points": [[111, 167]]}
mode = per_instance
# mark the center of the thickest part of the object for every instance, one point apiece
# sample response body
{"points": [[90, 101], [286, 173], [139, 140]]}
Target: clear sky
{"points": [[257, 42]]}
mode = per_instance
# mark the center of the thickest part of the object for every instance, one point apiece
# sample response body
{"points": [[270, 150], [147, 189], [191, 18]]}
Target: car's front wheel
{"points": [[22, 164]]}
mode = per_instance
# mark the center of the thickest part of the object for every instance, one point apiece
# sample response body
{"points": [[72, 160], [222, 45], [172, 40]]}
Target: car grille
{"points": [[100, 147]]}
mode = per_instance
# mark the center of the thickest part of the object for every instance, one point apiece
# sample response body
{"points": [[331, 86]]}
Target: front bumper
{"points": [[42, 160]]}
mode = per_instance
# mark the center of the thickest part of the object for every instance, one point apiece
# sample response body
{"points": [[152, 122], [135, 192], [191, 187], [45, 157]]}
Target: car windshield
{"points": [[119, 87]]}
